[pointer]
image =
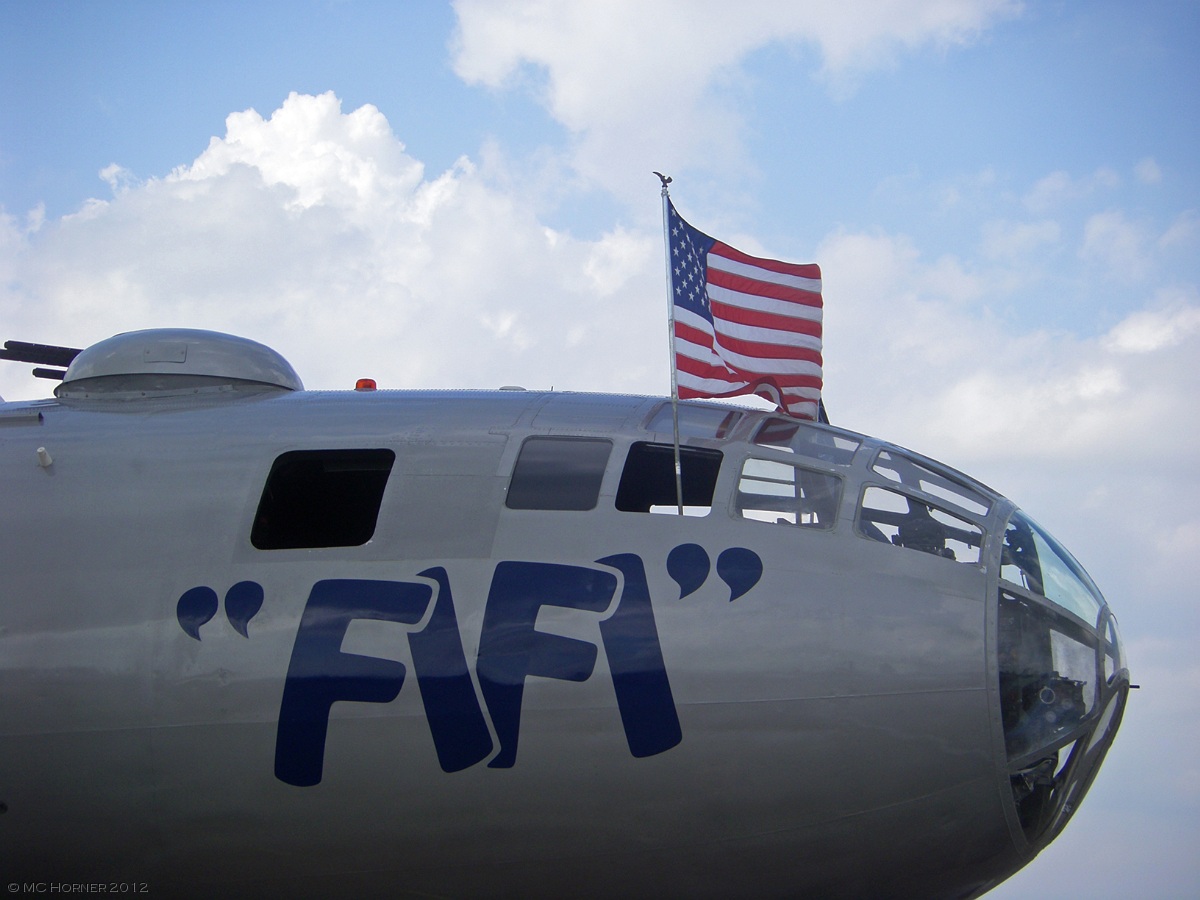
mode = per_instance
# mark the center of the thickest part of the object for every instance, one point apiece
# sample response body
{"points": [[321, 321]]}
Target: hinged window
{"points": [[648, 480]]}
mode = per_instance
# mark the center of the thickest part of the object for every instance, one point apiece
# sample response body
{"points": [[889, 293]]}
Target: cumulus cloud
{"points": [[1148, 331], [313, 230], [628, 77], [910, 344], [1060, 188]]}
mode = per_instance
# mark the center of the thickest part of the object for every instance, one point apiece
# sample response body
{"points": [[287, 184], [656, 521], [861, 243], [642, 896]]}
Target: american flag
{"points": [[744, 325]]}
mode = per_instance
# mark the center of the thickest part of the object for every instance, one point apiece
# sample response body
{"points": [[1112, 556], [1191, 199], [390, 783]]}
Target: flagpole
{"points": [[666, 197]]}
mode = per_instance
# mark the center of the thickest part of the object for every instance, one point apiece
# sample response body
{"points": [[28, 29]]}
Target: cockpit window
{"points": [[806, 440], [562, 473], [778, 492], [895, 518], [1032, 559], [903, 470], [1047, 674], [321, 498], [1049, 702], [1063, 680], [648, 479]]}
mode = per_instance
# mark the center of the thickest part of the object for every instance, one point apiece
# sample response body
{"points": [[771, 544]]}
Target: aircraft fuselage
{"points": [[462, 644]]}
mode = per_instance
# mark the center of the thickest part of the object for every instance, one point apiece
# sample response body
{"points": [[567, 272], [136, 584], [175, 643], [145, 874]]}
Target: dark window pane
{"points": [[648, 479], [321, 498], [558, 473]]}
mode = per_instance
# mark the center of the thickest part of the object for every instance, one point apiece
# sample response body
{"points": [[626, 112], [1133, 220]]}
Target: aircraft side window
{"points": [[770, 491], [561, 473], [807, 440], [695, 421], [648, 479], [895, 518], [321, 498], [902, 470]]}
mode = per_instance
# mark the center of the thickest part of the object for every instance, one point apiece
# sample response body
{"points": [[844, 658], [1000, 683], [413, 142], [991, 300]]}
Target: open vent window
{"points": [[648, 479], [321, 498]]}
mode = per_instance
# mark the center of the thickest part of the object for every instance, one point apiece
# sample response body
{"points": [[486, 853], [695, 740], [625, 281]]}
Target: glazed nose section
{"points": [[1063, 678]]}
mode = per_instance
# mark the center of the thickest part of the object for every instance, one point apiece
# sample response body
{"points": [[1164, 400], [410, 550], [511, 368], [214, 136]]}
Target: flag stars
{"points": [[687, 251]]}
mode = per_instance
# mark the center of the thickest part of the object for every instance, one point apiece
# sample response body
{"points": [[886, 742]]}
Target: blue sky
{"points": [[1004, 199]]}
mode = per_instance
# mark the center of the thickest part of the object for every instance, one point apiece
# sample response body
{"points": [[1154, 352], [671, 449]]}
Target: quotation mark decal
{"points": [[689, 566], [198, 605]]}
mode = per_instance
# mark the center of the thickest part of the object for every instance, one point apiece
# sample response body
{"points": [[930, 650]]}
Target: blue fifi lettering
{"points": [[320, 674], [510, 648], [460, 733], [635, 657]]}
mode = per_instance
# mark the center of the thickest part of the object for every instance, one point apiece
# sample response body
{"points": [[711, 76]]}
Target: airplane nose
{"points": [[1062, 675]]}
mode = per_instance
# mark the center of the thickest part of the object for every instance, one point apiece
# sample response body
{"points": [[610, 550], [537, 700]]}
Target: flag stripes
{"points": [[744, 324]]}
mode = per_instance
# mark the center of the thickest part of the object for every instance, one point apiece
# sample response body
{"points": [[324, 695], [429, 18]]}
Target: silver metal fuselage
{"points": [[840, 722]]}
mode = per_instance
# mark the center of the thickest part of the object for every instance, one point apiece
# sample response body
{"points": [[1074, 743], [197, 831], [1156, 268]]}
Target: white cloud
{"points": [[1147, 171], [628, 77], [1147, 331], [616, 258], [586, 47], [1060, 188], [117, 178], [350, 161], [312, 229], [1048, 191], [911, 355]]}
